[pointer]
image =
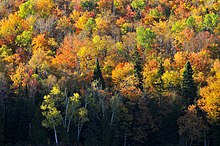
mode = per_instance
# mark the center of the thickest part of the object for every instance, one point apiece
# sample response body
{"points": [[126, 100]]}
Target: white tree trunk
{"points": [[67, 106], [55, 134], [68, 127], [125, 139], [112, 117], [79, 131]]}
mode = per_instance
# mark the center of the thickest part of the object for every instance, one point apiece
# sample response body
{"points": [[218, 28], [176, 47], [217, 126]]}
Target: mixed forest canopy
{"points": [[110, 72]]}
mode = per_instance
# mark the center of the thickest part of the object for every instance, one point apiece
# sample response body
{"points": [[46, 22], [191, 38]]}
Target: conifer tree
{"points": [[159, 84], [188, 86], [138, 68], [98, 75]]}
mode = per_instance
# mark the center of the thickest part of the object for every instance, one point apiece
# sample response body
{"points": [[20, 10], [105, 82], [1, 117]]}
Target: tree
{"points": [[188, 86], [26, 9], [138, 5], [138, 68], [211, 97], [159, 84], [44, 7], [51, 112], [145, 37], [191, 126], [125, 80], [210, 21], [98, 75], [60, 109], [19, 79]]}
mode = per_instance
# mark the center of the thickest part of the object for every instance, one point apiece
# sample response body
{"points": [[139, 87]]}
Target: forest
{"points": [[110, 72]]}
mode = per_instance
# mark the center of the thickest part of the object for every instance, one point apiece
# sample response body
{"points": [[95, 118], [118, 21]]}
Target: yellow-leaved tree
{"points": [[210, 101]]}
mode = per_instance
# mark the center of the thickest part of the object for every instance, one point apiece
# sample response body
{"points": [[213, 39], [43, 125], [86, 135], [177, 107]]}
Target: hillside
{"points": [[110, 72]]}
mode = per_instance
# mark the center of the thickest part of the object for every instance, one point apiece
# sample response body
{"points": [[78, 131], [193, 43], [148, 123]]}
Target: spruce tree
{"points": [[159, 81], [159, 84], [98, 75], [188, 86], [138, 68]]}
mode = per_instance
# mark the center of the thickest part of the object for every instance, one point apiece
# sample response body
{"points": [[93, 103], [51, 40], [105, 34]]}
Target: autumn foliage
{"points": [[109, 72]]}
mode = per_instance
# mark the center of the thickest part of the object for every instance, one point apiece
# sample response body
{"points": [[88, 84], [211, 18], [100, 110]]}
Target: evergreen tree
{"points": [[188, 86], [138, 68], [159, 81], [98, 75], [159, 84]]}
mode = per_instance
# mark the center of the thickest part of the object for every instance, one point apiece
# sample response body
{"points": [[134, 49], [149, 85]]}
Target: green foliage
{"points": [[47, 51], [159, 83], [5, 51], [98, 75], [50, 112], [155, 13], [191, 22], [24, 39], [138, 4], [90, 25], [126, 27], [145, 37], [26, 9], [138, 68], [88, 5], [177, 27], [188, 86], [211, 21]]}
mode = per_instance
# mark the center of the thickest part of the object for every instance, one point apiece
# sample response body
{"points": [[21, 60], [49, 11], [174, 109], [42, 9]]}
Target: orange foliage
{"points": [[201, 61], [124, 79], [180, 59], [121, 71], [10, 27], [40, 43], [66, 56]]}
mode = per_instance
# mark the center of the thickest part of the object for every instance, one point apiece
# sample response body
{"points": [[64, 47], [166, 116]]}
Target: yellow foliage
{"points": [[180, 59], [171, 78], [216, 66], [149, 73], [211, 98], [80, 23], [19, 78], [40, 43], [161, 28], [55, 91], [74, 16], [44, 7], [126, 82], [121, 71], [101, 23], [40, 60], [10, 27]]}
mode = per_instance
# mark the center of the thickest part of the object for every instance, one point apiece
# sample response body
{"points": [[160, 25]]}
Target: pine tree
{"points": [[189, 89], [98, 75], [138, 68], [159, 84]]}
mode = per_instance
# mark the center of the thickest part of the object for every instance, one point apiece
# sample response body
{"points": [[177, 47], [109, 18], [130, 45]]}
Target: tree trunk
{"points": [[125, 139], [55, 134], [79, 128], [67, 106], [205, 143], [68, 127], [112, 117], [191, 142]]}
